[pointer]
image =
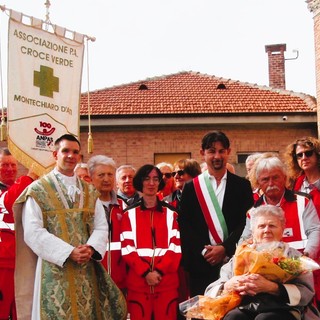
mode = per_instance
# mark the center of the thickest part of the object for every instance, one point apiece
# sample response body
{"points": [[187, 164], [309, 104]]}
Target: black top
{"points": [[238, 198]]}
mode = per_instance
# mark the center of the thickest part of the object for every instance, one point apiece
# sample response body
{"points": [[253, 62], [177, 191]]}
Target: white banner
{"points": [[44, 83]]}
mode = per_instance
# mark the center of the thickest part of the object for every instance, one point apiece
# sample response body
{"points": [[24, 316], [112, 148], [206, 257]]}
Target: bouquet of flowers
{"points": [[273, 260]]}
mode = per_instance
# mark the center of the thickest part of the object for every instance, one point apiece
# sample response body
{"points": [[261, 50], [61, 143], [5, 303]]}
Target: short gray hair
{"points": [[267, 161], [164, 164], [266, 210], [97, 160], [123, 167], [253, 157]]}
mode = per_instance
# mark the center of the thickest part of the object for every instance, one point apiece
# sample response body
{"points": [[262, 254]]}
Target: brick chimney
{"points": [[276, 59]]}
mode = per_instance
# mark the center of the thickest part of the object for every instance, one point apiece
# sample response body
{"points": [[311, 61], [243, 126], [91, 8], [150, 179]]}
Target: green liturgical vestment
{"points": [[72, 291]]}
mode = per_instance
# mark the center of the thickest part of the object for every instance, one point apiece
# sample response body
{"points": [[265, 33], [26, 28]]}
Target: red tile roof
{"points": [[193, 93]]}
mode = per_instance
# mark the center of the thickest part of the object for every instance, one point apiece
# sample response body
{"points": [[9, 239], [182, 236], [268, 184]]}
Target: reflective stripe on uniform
{"points": [[301, 204], [115, 246], [6, 225], [299, 245]]}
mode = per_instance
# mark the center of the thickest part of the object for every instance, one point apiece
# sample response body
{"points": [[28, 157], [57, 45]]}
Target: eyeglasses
{"points": [[167, 175], [154, 179], [179, 172], [307, 154]]}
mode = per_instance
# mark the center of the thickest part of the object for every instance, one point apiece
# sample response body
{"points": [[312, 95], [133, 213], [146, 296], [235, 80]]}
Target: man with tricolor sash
{"points": [[213, 214]]}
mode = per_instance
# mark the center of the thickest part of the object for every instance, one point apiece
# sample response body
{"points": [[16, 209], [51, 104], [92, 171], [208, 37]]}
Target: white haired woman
{"points": [[271, 300]]}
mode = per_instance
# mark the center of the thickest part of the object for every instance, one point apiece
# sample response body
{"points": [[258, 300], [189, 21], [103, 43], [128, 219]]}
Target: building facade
{"points": [[164, 118]]}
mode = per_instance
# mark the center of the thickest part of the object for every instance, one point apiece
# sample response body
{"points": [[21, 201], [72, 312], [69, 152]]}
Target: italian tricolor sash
{"points": [[210, 208]]}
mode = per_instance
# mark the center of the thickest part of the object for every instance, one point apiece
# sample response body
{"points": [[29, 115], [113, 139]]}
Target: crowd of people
{"points": [[98, 240]]}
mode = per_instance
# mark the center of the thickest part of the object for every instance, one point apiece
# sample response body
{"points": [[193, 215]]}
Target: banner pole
{"points": [[47, 21], [3, 125], [90, 138]]}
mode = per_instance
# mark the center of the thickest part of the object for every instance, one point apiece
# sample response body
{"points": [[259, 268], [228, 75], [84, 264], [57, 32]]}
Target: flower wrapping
{"points": [[273, 260], [202, 307]]}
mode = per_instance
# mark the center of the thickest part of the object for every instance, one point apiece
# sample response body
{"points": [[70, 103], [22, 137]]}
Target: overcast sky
{"points": [[139, 39]]}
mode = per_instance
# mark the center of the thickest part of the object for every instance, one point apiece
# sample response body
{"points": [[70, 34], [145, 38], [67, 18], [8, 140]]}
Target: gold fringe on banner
{"points": [[3, 130], [90, 143]]}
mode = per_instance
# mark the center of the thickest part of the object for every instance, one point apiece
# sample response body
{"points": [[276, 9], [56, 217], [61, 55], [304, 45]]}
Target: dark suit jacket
{"points": [[194, 232]]}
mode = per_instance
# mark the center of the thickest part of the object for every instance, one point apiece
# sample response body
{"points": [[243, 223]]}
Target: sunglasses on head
{"points": [[179, 172], [307, 154], [167, 175]]}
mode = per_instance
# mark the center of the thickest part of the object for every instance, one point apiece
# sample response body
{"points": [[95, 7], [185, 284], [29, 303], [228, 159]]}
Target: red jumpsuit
{"points": [[7, 247], [113, 261], [150, 241], [315, 195]]}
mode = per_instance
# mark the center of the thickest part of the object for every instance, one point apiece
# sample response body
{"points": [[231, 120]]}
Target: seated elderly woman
{"points": [[262, 298]]}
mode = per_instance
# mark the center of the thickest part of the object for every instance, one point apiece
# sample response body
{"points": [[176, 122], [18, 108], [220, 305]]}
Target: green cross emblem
{"points": [[46, 81]]}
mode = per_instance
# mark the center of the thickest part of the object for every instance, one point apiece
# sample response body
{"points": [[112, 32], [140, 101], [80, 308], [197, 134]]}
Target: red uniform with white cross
{"points": [[150, 241]]}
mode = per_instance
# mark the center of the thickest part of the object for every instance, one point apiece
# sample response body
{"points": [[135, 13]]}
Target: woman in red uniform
{"points": [[150, 243], [303, 161], [102, 171]]}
